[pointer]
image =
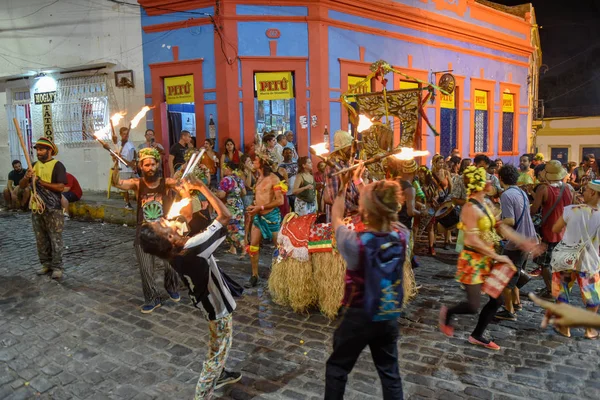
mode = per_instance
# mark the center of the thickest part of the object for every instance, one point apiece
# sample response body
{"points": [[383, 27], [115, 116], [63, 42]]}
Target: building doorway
{"points": [[274, 102], [180, 106]]}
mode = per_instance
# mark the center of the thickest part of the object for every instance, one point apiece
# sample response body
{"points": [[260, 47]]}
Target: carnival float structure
{"points": [[307, 270]]}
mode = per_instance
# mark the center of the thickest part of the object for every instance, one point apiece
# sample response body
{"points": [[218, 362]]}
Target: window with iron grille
{"points": [[508, 119], [481, 131], [447, 131], [480, 144], [508, 122], [80, 109]]}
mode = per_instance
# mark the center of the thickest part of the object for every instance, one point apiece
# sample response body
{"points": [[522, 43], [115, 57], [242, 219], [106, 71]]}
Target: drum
{"points": [[447, 215]]}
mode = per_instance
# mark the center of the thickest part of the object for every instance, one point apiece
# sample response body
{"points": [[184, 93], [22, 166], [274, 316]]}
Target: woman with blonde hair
{"points": [[475, 261]]}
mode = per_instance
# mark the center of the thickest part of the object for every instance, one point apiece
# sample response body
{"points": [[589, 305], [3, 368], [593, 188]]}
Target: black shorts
{"points": [[71, 197], [518, 258]]}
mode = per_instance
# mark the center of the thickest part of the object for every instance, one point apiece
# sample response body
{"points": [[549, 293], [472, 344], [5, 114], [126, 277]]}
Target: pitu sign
{"points": [[179, 89], [481, 100], [274, 85], [508, 102], [44, 98]]}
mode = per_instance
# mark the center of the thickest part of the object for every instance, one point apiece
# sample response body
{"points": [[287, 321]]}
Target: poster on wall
{"points": [[274, 85], [188, 123], [179, 89]]}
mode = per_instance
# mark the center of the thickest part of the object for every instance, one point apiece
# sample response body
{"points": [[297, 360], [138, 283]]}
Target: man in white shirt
{"points": [[126, 150], [281, 143]]}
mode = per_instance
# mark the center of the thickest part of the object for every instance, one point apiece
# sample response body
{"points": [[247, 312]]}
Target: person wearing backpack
{"points": [[477, 258], [374, 291], [552, 196]]}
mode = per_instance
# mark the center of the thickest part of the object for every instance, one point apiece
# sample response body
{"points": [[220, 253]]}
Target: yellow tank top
{"points": [[44, 170]]}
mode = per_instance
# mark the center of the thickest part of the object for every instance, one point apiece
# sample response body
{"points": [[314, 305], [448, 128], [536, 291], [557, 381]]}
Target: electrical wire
{"points": [[572, 89], [217, 28], [35, 12]]}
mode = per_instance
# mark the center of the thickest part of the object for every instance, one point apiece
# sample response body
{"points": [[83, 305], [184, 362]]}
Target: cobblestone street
{"points": [[85, 338]]}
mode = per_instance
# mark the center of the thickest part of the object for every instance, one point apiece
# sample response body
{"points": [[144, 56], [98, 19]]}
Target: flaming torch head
{"points": [[116, 118], [176, 208], [138, 117], [364, 123], [406, 153], [319, 149]]}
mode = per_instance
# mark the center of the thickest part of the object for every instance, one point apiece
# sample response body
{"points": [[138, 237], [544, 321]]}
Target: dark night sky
{"points": [[570, 37]]}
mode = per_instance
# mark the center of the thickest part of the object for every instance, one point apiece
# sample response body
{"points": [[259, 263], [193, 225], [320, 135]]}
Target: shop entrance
{"points": [[180, 107], [274, 102]]}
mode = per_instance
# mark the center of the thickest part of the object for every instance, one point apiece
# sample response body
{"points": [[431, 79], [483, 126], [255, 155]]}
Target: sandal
{"points": [[593, 337], [557, 330]]}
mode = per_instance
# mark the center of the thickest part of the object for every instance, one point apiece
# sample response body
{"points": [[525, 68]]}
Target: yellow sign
{"points": [[408, 85], [447, 100], [179, 89], [481, 100], [274, 85], [355, 80], [508, 102]]}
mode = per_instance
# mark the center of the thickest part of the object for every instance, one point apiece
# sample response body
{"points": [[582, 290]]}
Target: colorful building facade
{"points": [[250, 66]]}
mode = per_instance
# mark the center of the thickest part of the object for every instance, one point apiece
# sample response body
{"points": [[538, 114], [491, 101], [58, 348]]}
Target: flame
{"points": [[406, 153], [116, 118], [364, 123], [177, 207], [138, 117], [320, 148]]}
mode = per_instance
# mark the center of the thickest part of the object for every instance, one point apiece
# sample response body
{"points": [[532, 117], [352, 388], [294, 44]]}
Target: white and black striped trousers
{"points": [[146, 263]]}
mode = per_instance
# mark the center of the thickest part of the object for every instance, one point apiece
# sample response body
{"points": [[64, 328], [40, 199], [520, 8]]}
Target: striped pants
{"points": [[146, 263]]}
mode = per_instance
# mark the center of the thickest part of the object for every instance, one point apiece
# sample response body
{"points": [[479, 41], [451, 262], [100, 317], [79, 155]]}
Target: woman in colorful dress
{"points": [[475, 261], [304, 188], [249, 176], [232, 190]]}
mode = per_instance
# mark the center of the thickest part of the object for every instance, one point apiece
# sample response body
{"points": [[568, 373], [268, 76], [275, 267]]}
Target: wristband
{"points": [[262, 208], [358, 181]]}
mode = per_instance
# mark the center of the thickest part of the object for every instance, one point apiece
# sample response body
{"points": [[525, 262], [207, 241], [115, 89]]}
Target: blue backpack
{"points": [[383, 257]]}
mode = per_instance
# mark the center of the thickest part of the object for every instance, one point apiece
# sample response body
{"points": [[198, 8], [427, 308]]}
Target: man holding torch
{"points": [[152, 203], [46, 213]]}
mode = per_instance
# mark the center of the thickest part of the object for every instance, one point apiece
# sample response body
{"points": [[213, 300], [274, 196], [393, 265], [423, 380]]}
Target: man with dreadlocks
{"points": [[153, 203], [265, 214]]}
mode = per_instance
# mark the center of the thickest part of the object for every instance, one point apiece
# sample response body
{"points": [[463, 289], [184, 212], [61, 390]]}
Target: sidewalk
{"points": [[95, 206]]}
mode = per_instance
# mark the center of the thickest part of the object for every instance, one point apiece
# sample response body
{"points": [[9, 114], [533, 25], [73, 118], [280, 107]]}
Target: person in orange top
{"points": [[211, 161]]}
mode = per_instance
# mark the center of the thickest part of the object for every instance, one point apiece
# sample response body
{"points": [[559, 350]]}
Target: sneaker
{"points": [[128, 206], [44, 271], [536, 272], [518, 307], [57, 274], [174, 296], [227, 378], [505, 315], [149, 307], [252, 282], [446, 329], [489, 345]]}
